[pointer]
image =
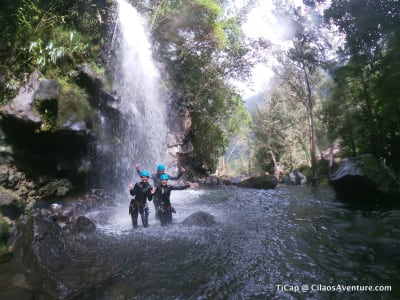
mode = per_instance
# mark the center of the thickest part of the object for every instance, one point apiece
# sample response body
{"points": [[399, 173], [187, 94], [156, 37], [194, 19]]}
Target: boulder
{"points": [[238, 179], [364, 179], [50, 247], [83, 224], [9, 198], [21, 107], [57, 187], [259, 182], [49, 128], [200, 218], [294, 178]]}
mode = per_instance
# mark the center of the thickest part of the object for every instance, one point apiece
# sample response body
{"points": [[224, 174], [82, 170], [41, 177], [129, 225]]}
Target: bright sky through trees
{"points": [[261, 23]]}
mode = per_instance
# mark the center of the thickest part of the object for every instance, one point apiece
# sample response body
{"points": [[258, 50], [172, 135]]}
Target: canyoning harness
{"points": [[140, 193], [166, 208], [136, 204]]}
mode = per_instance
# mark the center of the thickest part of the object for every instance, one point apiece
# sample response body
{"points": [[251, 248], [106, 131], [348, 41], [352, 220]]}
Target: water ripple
{"points": [[292, 236]]}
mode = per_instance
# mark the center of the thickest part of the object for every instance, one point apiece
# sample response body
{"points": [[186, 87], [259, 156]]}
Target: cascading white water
{"points": [[142, 130]]}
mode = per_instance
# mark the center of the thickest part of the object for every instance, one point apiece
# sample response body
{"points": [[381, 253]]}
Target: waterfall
{"points": [[140, 134]]}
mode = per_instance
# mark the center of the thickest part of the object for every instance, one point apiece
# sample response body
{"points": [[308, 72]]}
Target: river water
{"points": [[287, 243]]}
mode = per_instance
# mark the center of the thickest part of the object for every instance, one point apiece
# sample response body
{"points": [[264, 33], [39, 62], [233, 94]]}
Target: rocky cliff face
{"points": [[56, 136], [48, 131]]}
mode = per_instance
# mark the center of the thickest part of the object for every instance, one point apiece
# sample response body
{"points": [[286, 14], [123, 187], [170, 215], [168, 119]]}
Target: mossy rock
{"points": [[364, 178], [5, 232], [74, 107], [259, 182], [9, 198]]}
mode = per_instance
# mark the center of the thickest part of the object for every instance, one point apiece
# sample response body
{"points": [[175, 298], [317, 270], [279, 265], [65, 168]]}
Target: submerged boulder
{"points": [[294, 178], [49, 245], [200, 218], [364, 179]]}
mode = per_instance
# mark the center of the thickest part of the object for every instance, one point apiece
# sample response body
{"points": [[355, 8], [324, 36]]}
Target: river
{"points": [[287, 243]]}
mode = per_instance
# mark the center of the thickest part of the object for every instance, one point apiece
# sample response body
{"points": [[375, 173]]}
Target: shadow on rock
{"points": [[59, 254]]}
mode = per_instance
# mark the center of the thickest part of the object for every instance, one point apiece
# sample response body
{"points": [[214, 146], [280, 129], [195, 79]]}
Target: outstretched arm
{"points": [[182, 187], [181, 171]]}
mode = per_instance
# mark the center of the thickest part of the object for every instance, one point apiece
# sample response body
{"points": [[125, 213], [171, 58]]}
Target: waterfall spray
{"points": [[141, 133]]}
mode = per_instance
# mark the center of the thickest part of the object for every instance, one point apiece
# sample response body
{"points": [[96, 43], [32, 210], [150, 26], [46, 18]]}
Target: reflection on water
{"points": [[288, 236]]}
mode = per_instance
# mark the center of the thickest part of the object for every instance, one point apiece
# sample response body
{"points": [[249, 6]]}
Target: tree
{"points": [[279, 127], [201, 51], [366, 75], [286, 128], [304, 77]]}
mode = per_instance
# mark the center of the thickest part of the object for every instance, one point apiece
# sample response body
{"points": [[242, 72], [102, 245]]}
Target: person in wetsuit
{"points": [[140, 192], [157, 182], [163, 193]]}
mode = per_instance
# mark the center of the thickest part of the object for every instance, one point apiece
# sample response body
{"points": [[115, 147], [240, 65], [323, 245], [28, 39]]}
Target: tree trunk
{"points": [[311, 128], [273, 158], [330, 166]]}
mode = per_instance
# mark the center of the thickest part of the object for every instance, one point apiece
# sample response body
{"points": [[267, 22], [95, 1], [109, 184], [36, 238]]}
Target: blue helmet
{"points": [[144, 173], [164, 177], [160, 167]]}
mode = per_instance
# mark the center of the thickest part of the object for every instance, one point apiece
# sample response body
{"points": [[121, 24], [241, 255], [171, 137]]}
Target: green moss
{"points": [[30, 204], [48, 114], [73, 105], [101, 73], [324, 181], [13, 198], [5, 232], [261, 182]]}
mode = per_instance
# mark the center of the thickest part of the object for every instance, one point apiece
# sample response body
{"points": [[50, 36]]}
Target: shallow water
{"points": [[287, 243]]}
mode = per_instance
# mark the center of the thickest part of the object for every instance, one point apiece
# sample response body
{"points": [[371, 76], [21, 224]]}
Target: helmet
{"points": [[144, 173], [164, 177], [160, 167]]}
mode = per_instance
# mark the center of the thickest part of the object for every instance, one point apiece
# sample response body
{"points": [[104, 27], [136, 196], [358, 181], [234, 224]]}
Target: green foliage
{"points": [[5, 232], [201, 50], [279, 126], [62, 48], [48, 114], [387, 105], [217, 114], [364, 106], [49, 36], [344, 120], [260, 182], [365, 24]]}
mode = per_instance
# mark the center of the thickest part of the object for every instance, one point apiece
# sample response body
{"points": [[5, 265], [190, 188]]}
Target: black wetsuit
{"points": [[164, 206], [157, 182], [140, 192]]}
